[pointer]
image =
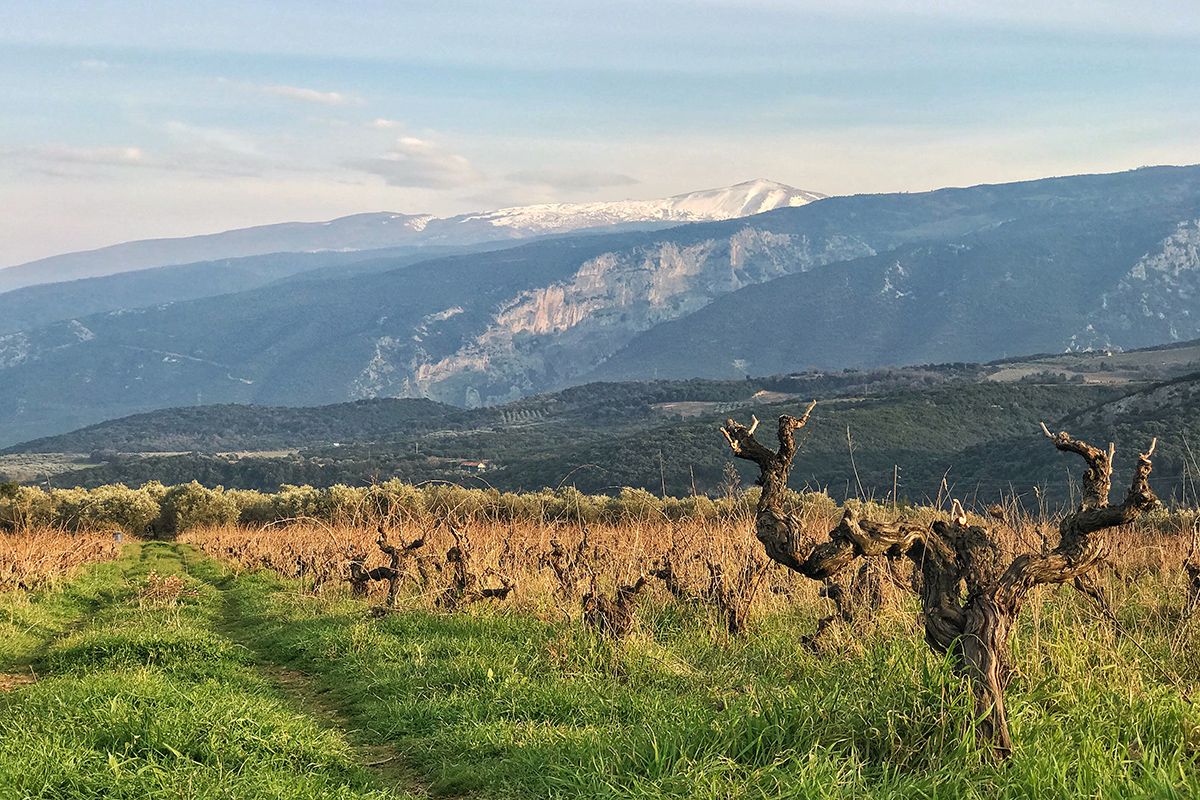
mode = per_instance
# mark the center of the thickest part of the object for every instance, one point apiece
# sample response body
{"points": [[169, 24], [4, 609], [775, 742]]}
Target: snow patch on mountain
{"points": [[740, 200]]}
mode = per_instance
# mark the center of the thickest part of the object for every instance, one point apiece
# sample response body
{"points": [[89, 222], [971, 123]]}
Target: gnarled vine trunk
{"points": [[970, 600], [360, 577]]}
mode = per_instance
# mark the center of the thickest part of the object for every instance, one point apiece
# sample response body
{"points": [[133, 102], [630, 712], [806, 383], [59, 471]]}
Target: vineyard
{"points": [[393, 641]]}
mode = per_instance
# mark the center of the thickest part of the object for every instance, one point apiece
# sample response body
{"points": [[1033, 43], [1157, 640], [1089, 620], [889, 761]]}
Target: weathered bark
{"points": [[969, 599]]}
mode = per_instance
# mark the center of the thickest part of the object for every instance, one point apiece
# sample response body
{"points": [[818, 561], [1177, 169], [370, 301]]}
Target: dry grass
{"points": [[34, 558], [553, 565]]}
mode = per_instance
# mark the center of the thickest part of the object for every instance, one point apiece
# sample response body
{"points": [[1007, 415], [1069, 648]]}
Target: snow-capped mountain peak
{"points": [[376, 230], [739, 200]]}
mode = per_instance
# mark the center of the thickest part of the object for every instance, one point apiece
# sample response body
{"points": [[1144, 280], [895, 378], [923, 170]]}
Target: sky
{"points": [[132, 120]]}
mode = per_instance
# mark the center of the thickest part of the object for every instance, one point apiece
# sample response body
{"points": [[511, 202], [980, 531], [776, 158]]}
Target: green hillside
{"points": [[983, 438]]}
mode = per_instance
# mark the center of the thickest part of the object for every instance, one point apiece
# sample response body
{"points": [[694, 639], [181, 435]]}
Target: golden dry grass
{"points": [[612, 554], [34, 558]]}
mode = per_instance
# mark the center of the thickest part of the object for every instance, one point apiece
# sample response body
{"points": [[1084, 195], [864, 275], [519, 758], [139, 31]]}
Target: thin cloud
{"points": [[67, 154], [93, 65], [418, 163], [386, 124], [98, 155], [307, 95], [212, 139], [64, 161]]}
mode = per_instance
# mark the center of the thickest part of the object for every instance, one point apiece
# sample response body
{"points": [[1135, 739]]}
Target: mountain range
{"points": [[379, 230], [970, 274]]}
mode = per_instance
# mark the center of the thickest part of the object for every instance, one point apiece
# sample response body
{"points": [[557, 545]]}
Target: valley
{"points": [[915, 432]]}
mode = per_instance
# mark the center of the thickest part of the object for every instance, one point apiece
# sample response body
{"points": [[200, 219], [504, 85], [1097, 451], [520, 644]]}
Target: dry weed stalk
{"points": [[164, 590]]}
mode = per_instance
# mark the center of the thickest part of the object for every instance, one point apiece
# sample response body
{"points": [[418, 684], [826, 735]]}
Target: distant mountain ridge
{"points": [[970, 274], [46, 303], [378, 230]]}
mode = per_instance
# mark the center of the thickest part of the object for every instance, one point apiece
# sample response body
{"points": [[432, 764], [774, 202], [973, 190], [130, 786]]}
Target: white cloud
{"points": [[418, 163], [93, 65], [386, 124], [307, 95]]}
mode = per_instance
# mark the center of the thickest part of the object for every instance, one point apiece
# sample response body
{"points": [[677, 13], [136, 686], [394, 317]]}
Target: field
{"points": [[239, 661]]}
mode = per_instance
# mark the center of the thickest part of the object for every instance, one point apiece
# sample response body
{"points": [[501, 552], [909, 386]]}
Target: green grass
{"points": [[28, 623], [145, 700], [510, 706], [184, 699]]}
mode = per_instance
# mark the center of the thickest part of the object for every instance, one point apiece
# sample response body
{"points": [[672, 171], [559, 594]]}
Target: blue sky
{"points": [[127, 120]]}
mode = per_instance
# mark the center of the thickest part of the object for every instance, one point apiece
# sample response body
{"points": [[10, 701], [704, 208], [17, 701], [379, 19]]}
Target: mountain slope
{"points": [[36, 306], [43, 304], [1043, 283], [955, 274], [295, 343], [386, 229]]}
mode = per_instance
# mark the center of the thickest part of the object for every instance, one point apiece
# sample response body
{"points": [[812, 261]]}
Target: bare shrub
{"points": [[614, 616]]}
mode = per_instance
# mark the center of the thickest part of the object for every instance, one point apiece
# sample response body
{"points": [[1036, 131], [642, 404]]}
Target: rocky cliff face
{"points": [[545, 337], [1156, 301]]}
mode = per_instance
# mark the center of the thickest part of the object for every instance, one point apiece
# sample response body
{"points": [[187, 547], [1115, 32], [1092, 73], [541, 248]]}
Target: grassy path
{"points": [[202, 683], [29, 626], [300, 688], [140, 694]]}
